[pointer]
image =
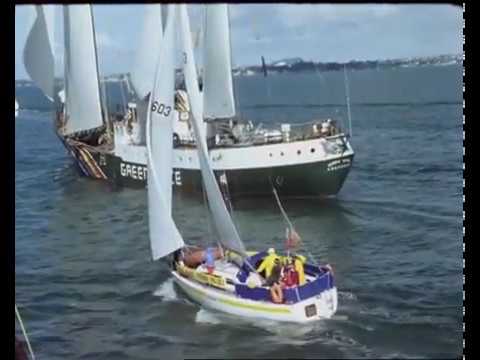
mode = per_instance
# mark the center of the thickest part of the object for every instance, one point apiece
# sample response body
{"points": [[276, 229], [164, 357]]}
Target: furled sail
{"points": [[164, 235], [147, 53], [218, 97], [38, 54], [223, 222], [82, 92]]}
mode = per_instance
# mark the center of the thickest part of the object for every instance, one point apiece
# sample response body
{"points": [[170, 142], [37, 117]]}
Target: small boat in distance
{"points": [[223, 278], [17, 107]]}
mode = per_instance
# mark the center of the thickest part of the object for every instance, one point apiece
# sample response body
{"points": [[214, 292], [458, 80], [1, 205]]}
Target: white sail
{"points": [[164, 235], [38, 54], [223, 222], [148, 50], [218, 100], [82, 92]]}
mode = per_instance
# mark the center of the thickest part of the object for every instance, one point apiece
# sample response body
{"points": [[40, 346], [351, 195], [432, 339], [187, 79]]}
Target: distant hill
{"points": [[297, 64]]}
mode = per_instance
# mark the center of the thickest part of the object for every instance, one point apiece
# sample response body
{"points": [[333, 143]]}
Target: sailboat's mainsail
{"points": [[218, 98], [148, 50], [38, 54], [164, 235], [82, 106], [223, 222]]}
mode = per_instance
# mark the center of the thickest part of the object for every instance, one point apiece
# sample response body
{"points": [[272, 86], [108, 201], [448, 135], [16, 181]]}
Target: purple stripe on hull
{"points": [[77, 158]]}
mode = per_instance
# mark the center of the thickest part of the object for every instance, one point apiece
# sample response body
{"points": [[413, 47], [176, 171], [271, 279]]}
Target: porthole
{"points": [[270, 154], [312, 150], [299, 152], [281, 154]]}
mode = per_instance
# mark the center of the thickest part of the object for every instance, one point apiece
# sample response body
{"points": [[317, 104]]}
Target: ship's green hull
{"points": [[323, 178]]}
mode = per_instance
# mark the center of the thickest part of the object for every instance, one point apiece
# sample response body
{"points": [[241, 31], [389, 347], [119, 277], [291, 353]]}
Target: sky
{"points": [[318, 32]]}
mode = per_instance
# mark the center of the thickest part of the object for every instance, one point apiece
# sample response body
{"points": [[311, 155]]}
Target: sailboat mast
{"points": [[105, 120], [347, 94], [66, 60], [237, 110], [209, 128]]}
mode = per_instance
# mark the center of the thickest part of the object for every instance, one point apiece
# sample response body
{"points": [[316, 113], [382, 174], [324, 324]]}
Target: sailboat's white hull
{"points": [[325, 303]]}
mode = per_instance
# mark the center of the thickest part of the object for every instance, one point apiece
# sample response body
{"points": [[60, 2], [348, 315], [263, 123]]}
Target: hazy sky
{"points": [[314, 32]]}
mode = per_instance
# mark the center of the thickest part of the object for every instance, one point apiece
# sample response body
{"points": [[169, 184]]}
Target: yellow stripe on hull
{"points": [[255, 307], [274, 309]]}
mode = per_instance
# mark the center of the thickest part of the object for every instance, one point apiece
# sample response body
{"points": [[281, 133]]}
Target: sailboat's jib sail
{"points": [[164, 235], [82, 106], [38, 54], [218, 97], [148, 50], [221, 218]]}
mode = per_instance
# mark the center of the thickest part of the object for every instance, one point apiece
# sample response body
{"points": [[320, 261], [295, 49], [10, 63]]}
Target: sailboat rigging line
{"points": [[24, 332], [122, 92], [347, 95], [105, 109], [66, 40], [290, 223], [285, 216], [209, 218]]}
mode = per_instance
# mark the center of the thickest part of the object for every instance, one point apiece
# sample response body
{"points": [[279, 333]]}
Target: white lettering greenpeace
{"points": [[136, 172], [139, 172]]}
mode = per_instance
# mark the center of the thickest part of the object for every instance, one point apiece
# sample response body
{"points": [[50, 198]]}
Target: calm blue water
{"points": [[87, 289]]}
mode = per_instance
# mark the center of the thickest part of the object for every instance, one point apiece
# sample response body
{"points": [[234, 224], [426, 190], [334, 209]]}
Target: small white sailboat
{"points": [[229, 281], [17, 107]]}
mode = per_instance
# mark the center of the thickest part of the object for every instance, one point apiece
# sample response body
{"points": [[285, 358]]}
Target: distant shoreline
{"points": [[298, 65]]}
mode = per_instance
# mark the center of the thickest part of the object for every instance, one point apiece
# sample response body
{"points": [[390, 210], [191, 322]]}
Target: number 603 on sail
{"points": [[161, 109]]}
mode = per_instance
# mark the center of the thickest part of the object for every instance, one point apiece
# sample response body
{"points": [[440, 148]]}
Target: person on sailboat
{"points": [[276, 273], [210, 260], [325, 129], [268, 263], [290, 277], [298, 262], [275, 282]]}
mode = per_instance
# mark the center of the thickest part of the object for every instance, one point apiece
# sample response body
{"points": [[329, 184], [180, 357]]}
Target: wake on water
{"points": [[166, 291]]}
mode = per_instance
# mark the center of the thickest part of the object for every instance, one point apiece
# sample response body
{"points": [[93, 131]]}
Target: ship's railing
{"points": [[245, 134]]}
